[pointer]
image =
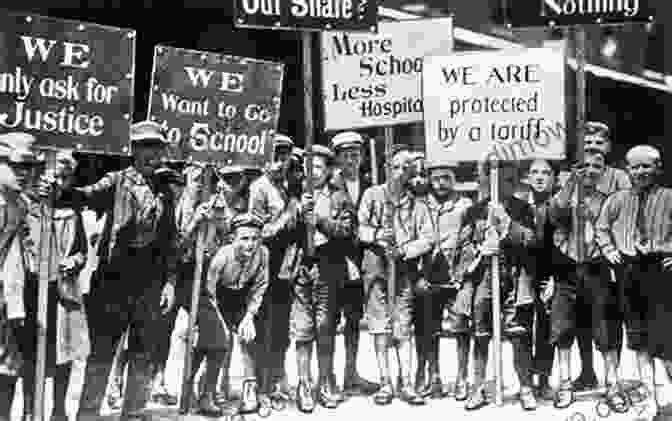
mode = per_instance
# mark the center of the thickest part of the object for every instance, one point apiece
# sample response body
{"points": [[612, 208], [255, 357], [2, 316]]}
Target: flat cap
{"points": [[230, 169], [321, 150], [148, 132], [346, 140], [246, 220], [643, 152], [597, 129], [65, 156], [434, 164], [280, 140], [15, 148], [298, 154]]}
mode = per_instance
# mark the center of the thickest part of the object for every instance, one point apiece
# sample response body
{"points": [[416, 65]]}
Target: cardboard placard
{"points": [[539, 13], [307, 15], [69, 83], [216, 108], [375, 80], [506, 105]]}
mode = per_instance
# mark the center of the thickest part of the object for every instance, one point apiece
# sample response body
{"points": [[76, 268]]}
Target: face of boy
{"points": [[643, 171], [246, 241]]}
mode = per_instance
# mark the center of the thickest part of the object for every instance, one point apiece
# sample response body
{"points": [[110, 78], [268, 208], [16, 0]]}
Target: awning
{"points": [[488, 41]]}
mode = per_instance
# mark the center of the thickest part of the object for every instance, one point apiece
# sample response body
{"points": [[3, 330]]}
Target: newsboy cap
{"points": [[597, 129], [281, 140], [148, 133], [15, 148], [346, 140], [246, 220], [321, 150]]}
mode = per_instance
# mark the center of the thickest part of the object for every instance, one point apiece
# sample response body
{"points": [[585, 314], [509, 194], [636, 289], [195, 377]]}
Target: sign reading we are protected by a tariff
{"points": [[375, 80], [505, 106], [68, 83], [216, 108]]}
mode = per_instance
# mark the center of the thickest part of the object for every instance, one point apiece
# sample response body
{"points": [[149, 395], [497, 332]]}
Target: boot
{"points": [[461, 391], [385, 394], [355, 385], [477, 399], [249, 402], [410, 396], [527, 399], [338, 394], [325, 395], [207, 407], [304, 397]]}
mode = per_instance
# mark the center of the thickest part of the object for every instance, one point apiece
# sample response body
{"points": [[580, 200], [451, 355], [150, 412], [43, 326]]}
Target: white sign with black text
{"points": [[375, 80], [508, 106]]}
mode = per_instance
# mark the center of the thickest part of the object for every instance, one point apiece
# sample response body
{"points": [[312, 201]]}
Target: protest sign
{"points": [[375, 80], [69, 83], [507, 106], [216, 108], [307, 15]]}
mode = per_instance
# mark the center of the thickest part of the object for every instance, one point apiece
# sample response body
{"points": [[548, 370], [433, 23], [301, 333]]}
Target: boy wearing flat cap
{"points": [[597, 139], [348, 147], [16, 164], [237, 280], [393, 226], [448, 212], [138, 258], [634, 232], [272, 198], [505, 229], [315, 297]]}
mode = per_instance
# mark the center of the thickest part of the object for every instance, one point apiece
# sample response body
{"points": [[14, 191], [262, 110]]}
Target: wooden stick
{"points": [[389, 223], [43, 271], [580, 46], [187, 378], [496, 299], [374, 161], [307, 68]]}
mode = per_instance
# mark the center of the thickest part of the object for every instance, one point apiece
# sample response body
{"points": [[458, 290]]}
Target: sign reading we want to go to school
{"points": [[507, 105], [216, 108], [375, 80]]}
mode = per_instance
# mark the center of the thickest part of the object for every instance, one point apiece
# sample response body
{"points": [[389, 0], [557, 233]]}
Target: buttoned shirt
{"points": [[616, 227], [227, 271], [334, 214], [13, 212], [269, 201], [563, 215], [448, 217]]}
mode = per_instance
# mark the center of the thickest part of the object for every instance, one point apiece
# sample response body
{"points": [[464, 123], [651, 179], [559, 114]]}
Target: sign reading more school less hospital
{"points": [[307, 15], [533, 13]]}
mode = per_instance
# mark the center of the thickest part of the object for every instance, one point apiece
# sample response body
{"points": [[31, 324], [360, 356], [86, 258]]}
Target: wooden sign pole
{"points": [[190, 339], [307, 68], [374, 161], [389, 222], [580, 48], [496, 298], [44, 267]]}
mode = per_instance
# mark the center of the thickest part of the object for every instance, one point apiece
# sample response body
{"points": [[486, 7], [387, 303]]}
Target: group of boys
{"points": [[411, 256]]}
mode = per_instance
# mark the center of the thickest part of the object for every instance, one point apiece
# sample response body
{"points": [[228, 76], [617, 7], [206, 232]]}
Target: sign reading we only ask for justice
{"points": [[69, 83], [507, 106], [216, 108], [375, 80]]}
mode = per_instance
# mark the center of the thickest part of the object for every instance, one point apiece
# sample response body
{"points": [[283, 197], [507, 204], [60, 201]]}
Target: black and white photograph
{"points": [[271, 210]]}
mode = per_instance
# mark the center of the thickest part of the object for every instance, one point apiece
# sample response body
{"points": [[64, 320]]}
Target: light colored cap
{"points": [[596, 129], [65, 156], [148, 132], [643, 152], [231, 169], [280, 140], [15, 147], [347, 140], [298, 154], [322, 150]]}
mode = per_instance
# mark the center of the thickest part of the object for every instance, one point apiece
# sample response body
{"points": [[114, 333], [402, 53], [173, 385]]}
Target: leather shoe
{"points": [[477, 400], [249, 401], [326, 397], [585, 382], [409, 395], [304, 398], [461, 391], [207, 407], [527, 399], [338, 394], [432, 389], [544, 391], [564, 397], [357, 385], [384, 395]]}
